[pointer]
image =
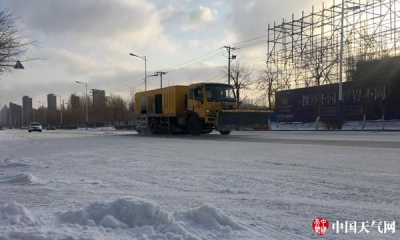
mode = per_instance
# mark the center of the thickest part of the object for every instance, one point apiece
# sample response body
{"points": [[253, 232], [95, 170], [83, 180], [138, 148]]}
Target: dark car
{"points": [[35, 126], [51, 127]]}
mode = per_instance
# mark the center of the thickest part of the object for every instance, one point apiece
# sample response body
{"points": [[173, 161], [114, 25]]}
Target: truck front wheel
{"points": [[194, 125], [224, 132]]}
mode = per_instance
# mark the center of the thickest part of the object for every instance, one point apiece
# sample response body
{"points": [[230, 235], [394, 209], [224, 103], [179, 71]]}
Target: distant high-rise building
{"points": [[51, 101], [26, 103], [15, 115], [99, 97], [27, 112], [5, 116], [74, 101]]}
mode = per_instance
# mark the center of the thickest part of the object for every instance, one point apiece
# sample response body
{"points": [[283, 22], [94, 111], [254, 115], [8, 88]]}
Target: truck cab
{"points": [[206, 100]]}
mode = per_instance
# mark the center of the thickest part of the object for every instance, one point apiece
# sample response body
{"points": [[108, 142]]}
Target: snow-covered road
{"points": [[248, 185]]}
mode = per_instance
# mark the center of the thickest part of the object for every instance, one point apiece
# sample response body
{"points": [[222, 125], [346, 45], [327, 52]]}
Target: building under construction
{"points": [[305, 51]]}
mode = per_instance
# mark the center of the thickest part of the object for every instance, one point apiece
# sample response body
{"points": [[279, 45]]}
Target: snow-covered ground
{"points": [[376, 125], [108, 184]]}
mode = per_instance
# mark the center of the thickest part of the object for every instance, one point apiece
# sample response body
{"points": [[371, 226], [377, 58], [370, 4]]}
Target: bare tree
{"points": [[12, 44], [118, 108], [267, 84], [319, 62], [241, 77]]}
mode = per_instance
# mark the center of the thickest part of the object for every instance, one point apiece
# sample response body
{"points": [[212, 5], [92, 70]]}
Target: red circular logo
{"points": [[320, 226]]}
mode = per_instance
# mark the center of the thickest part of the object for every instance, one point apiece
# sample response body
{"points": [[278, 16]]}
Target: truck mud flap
{"points": [[243, 121]]}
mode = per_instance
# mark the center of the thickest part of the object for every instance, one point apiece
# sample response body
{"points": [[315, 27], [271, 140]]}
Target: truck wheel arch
{"points": [[194, 125]]}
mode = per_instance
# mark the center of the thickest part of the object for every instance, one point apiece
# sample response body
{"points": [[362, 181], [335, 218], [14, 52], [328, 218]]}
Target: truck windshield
{"points": [[220, 93]]}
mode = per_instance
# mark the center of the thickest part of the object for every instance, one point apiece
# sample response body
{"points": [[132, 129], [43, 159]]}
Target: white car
{"points": [[35, 126]]}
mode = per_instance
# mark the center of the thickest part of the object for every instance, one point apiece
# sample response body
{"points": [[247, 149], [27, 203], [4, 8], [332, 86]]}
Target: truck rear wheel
{"points": [[154, 126], [194, 125]]}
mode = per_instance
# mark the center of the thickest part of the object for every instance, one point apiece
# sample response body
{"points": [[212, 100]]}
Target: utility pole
{"points": [[229, 48], [161, 73]]}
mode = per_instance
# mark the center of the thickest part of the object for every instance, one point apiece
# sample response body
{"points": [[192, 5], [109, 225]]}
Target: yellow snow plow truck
{"points": [[195, 109]]}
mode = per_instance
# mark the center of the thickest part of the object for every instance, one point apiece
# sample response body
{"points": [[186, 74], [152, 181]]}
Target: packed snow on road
{"points": [[82, 184]]}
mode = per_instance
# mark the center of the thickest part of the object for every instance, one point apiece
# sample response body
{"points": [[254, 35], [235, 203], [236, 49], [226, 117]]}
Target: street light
{"points": [[145, 68], [340, 102], [86, 102]]}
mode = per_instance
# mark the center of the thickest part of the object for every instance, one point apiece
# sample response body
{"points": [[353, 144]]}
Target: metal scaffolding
{"points": [[304, 52]]}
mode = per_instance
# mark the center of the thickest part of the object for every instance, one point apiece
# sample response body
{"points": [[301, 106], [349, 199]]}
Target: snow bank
{"points": [[348, 125], [16, 214], [24, 178], [120, 219], [8, 163], [210, 218], [11, 165], [145, 216]]}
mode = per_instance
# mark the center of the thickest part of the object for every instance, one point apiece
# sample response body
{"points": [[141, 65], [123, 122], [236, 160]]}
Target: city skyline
{"points": [[14, 114], [90, 41]]}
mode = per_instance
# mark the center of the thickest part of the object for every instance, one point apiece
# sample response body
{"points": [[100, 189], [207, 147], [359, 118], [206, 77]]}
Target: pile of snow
{"points": [[121, 219], [16, 214], [108, 128], [210, 218], [8, 163], [12, 165], [146, 217], [24, 178]]}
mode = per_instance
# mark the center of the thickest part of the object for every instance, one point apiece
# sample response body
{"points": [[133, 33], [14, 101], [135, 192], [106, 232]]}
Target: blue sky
{"points": [[90, 41]]}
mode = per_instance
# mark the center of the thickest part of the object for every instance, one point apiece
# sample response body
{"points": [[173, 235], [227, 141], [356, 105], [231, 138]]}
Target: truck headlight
{"points": [[211, 112]]}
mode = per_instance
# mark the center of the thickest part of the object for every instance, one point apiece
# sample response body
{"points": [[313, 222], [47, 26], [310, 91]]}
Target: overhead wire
{"points": [[187, 62], [196, 60], [238, 43], [200, 59]]}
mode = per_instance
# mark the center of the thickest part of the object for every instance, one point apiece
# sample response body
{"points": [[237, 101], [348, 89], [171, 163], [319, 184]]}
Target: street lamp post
{"points": [[86, 102], [145, 68]]}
